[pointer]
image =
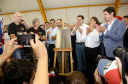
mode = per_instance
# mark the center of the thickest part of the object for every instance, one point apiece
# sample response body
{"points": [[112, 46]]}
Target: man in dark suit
{"points": [[125, 19], [113, 32]]}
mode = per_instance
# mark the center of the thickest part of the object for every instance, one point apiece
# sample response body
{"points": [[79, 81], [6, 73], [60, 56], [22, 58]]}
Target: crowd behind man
{"points": [[86, 44]]}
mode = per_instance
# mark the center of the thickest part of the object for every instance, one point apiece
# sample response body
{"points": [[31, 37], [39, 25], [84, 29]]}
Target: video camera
{"points": [[122, 53]]}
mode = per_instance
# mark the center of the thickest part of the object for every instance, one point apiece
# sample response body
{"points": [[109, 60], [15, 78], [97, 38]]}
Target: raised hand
{"points": [[38, 47], [88, 30], [10, 47]]}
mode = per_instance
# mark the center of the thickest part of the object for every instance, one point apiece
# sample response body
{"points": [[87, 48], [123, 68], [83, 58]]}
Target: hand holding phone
{"points": [[24, 40]]}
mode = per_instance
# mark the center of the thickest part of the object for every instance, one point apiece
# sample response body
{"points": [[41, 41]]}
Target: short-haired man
{"points": [[47, 25], [80, 32], [24, 23], [59, 23], [113, 32], [125, 40], [59, 54], [52, 31], [14, 29], [71, 27]]}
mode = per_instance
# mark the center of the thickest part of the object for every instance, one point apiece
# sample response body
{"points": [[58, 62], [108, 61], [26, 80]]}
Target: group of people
{"points": [[88, 41]]}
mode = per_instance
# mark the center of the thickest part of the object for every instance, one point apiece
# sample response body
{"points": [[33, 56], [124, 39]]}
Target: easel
{"points": [[63, 50]]}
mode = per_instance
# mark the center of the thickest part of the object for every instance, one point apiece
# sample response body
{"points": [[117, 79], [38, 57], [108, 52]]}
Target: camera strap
{"points": [[123, 69]]}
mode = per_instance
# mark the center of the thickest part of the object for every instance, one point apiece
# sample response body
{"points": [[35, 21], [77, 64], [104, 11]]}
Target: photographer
{"points": [[97, 76], [14, 29], [14, 74]]}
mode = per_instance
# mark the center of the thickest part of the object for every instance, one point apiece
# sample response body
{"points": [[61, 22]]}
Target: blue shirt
{"points": [[53, 32]]}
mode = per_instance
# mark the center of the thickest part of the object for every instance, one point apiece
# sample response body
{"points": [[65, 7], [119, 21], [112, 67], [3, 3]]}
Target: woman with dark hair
{"points": [[42, 26], [92, 48]]}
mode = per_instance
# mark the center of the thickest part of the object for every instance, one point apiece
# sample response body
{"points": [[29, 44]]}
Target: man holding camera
{"points": [[15, 29], [113, 32]]}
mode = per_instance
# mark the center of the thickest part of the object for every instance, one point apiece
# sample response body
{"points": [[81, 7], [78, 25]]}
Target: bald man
{"points": [[71, 27], [14, 29]]}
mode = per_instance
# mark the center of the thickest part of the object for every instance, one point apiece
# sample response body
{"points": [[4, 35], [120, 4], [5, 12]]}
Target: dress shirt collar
{"points": [[112, 22]]}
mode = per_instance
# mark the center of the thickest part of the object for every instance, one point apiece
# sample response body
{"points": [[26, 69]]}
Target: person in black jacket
{"points": [[125, 19]]}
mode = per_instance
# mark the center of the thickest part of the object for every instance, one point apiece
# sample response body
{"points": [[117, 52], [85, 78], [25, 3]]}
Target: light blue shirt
{"points": [[53, 32], [47, 40]]}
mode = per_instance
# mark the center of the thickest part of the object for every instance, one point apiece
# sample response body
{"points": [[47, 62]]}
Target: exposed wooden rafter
{"points": [[116, 6], [40, 3]]}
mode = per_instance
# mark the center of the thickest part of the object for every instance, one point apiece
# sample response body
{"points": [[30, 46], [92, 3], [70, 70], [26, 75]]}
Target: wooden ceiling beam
{"points": [[40, 3], [116, 6]]}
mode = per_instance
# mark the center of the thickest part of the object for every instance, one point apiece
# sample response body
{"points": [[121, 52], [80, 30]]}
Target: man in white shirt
{"points": [[80, 32], [52, 32], [113, 32]]}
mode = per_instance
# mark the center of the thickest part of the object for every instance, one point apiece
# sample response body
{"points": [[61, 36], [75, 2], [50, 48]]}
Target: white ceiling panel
{"points": [[7, 21], [53, 3], [33, 15], [3, 8], [76, 2], [123, 1], [11, 6], [29, 5], [123, 10], [72, 14], [56, 14], [93, 2]]}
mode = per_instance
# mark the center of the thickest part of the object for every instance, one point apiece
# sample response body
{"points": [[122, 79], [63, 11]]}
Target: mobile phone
{"points": [[24, 39]]}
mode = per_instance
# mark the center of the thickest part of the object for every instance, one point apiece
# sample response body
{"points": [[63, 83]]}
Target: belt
{"points": [[80, 43]]}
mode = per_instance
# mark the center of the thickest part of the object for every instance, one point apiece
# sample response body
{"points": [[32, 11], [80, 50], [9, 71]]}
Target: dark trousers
{"points": [[73, 39], [28, 53], [102, 49], [90, 57], [51, 55]]}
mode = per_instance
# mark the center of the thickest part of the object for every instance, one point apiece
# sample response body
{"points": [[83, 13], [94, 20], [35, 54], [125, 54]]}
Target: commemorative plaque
{"points": [[63, 38]]}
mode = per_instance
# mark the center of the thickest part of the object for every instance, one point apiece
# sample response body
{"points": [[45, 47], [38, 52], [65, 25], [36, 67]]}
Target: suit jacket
{"points": [[114, 37], [126, 39]]}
